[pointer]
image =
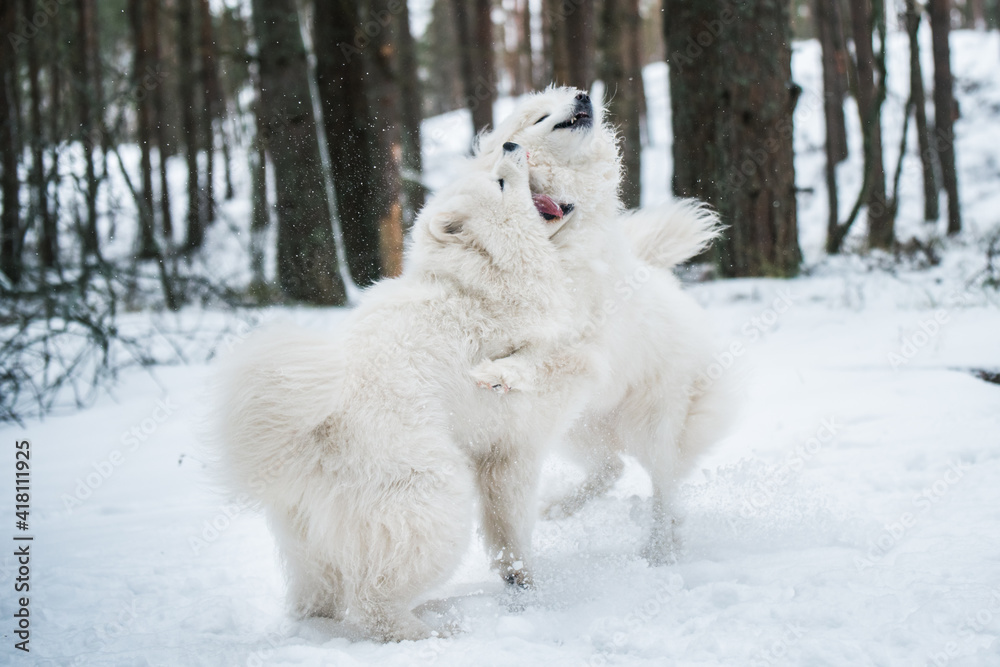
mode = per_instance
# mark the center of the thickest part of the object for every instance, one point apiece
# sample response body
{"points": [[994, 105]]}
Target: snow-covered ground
{"points": [[851, 518]]}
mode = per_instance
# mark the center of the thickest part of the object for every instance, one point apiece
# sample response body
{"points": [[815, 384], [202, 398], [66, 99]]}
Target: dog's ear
{"points": [[446, 226]]}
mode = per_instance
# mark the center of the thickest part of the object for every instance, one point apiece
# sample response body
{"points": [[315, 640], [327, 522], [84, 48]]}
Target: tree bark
{"points": [[384, 102], [195, 233], [944, 104], [828, 28], [10, 228], [870, 95], [307, 258], [732, 100], [557, 47], [341, 75], [919, 101], [47, 234], [622, 76], [210, 107], [159, 113], [411, 116], [91, 129], [578, 25], [139, 16], [473, 26]]}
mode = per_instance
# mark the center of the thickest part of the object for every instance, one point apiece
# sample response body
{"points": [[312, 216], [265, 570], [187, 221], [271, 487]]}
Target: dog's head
{"points": [[573, 153], [487, 222]]}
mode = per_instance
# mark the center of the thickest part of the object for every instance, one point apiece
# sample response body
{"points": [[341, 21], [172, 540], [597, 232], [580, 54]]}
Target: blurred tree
{"points": [[341, 80], [159, 117], [91, 126], [46, 228], [828, 21], [10, 232], [621, 72], [211, 107], [195, 232], [578, 24], [918, 103], [474, 29], [868, 17], [307, 258], [411, 116], [141, 31], [944, 108]]}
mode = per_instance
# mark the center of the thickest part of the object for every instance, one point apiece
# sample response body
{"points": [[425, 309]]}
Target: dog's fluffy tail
{"points": [[668, 234], [272, 395]]}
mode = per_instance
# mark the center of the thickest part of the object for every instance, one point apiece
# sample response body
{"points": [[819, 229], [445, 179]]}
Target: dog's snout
{"points": [[510, 147], [582, 97], [583, 104]]}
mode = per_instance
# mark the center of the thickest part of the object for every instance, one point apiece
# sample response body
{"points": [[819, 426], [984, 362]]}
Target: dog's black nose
{"points": [[583, 97], [510, 147], [583, 105]]}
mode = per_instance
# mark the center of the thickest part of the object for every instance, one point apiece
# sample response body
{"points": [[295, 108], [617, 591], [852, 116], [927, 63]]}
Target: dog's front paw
{"points": [[497, 376]]}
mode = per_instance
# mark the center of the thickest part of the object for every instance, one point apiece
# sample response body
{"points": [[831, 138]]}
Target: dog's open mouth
{"points": [[549, 208], [578, 120]]}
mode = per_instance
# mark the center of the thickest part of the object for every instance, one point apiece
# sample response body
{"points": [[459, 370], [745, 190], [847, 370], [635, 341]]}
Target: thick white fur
{"points": [[368, 450], [651, 401], [672, 232]]}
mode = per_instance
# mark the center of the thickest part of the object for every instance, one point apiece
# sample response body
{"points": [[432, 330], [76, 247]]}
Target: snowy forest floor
{"points": [[851, 517]]}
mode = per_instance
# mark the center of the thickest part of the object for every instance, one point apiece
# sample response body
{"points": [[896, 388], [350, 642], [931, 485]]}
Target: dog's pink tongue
{"points": [[547, 205]]}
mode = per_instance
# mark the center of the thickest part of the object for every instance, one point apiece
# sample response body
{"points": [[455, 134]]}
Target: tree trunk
{"points": [[189, 125], [384, 102], [757, 171], [578, 25], [159, 113], [209, 108], [828, 28], [472, 28], [732, 101], [944, 105], [10, 233], [622, 76], [260, 212], [91, 130], [919, 100], [526, 44], [47, 234], [557, 51], [870, 94], [411, 115], [694, 94], [341, 75], [138, 13], [307, 258]]}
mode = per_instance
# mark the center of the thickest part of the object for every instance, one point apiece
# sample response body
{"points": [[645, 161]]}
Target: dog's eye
{"points": [[501, 184], [541, 119]]}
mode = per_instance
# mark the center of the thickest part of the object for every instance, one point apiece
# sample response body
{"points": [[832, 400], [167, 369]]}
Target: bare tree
{"points": [[411, 116], [155, 61], [578, 25], [828, 25], [210, 109], [91, 127], [944, 108], [10, 232], [47, 235], [474, 28], [195, 233], [138, 15], [307, 259], [918, 103], [867, 16]]}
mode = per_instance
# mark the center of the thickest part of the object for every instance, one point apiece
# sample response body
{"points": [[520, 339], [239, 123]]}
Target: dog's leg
{"points": [[507, 482], [596, 442]]}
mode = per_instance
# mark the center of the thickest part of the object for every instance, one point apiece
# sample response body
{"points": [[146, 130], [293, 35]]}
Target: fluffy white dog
{"points": [[366, 450], [652, 400]]}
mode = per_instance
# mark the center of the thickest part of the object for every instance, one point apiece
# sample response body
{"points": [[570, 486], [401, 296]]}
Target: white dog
{"points": [[654, 339], [366, 450]]}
